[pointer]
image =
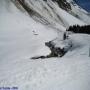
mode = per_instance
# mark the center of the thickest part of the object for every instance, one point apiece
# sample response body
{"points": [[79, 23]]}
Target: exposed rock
{"points": [[57, 47], [55, 51], [26, 7], [63, 4]]}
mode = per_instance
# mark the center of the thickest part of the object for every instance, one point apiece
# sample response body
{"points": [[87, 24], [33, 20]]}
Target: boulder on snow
{"points": [[55, 51]]}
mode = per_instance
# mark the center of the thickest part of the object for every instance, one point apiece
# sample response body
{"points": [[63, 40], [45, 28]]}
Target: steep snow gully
{"points": [[22, 36]]}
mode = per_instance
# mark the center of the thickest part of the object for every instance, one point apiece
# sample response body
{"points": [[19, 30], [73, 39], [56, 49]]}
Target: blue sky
{"points": [[84, 4]]}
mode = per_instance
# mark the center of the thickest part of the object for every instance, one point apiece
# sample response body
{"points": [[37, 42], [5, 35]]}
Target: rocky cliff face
{"points": [[63, 4], [49, 12], [45, 11]]}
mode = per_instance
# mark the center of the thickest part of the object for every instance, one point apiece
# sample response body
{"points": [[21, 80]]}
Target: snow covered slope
{"points": [[18, 33], [49, 13], [21, 38]]}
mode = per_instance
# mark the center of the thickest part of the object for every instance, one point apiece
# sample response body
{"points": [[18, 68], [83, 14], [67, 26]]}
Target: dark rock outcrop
{"points": [[26, 7], [63, 4], [55, 51]]}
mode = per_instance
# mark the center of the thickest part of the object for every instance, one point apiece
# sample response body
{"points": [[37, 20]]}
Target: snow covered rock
{"points": [[59, 47]]}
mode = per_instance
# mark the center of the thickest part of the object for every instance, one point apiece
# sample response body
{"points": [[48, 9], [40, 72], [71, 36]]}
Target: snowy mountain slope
{"points": [[48, 74], [17, 33], [80, 13], [21, 38], [49, 13]]}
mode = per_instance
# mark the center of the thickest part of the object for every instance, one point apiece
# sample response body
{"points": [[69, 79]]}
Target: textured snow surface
{"points": [[53, 14], [21, 38]]}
